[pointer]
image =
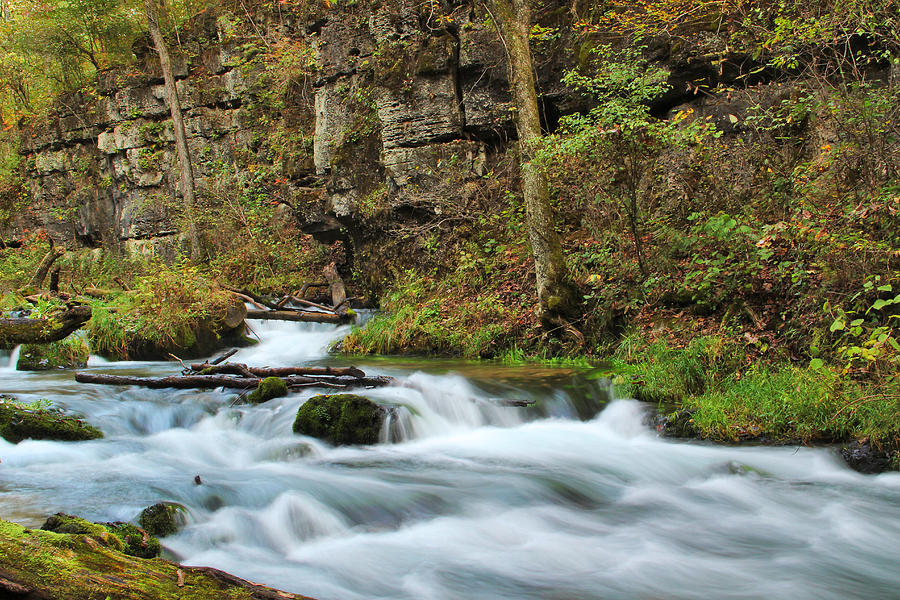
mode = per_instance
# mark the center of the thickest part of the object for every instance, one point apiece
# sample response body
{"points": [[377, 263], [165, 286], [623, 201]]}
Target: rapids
{"points": [[574, 498]]}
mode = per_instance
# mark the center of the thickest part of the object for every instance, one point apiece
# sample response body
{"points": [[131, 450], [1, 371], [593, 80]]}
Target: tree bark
{"points": [[296, 315], [338, 291], [227, 381], [185, 169], [554, 289], [42, 331], [239, 369], [38, 280]]}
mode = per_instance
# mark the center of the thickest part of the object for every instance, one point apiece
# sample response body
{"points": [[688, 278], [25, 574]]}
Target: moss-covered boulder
{"points": [[20, 421], [123, 537], [268, 388], [341, 419], [78, 566], [71, 353], [162, 519]]}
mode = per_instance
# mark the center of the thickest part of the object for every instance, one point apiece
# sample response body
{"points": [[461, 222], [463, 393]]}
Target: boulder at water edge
{"points": [[341, 419], [162, 519]]}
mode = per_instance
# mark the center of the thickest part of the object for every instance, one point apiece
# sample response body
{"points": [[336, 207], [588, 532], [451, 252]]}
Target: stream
{"points": [[572, 498]]}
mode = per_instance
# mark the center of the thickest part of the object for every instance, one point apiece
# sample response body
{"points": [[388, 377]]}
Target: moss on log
{"points": [[41, 331], [52, 566]]}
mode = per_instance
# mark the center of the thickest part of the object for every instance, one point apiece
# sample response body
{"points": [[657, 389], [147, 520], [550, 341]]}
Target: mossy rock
{"points": [[21, 422], [78, 566], [55, 355], [162, 519], [123, 537], [341, 419], [268, 388]]}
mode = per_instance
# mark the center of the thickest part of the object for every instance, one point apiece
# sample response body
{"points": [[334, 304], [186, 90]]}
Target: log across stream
{"points": [[571, 497]]}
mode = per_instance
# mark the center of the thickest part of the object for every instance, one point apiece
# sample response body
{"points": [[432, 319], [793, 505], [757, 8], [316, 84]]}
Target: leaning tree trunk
{"points": [[554, 289], [185, 170]]}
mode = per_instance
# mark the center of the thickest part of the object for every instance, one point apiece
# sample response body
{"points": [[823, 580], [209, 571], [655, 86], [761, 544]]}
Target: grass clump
{"points": [[427, 317], [166, 311]]}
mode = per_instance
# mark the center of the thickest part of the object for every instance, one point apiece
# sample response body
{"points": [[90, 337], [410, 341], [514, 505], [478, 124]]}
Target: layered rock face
{"points": [[395, 96]]}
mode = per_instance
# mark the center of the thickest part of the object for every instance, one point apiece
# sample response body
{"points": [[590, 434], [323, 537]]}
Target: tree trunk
{"points": [[38, 280], [185, 170], [296, 315], [554, 289], [227, 381]]}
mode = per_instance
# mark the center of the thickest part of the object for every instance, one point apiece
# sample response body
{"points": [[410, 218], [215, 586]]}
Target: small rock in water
{"points": [[197, 480], [162, 519]]}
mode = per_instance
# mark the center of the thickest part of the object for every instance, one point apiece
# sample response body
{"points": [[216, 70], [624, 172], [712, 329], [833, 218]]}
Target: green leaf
{"points": [[879, 304], [816, 364], [856, 322], [885, 288], [838, 325]]}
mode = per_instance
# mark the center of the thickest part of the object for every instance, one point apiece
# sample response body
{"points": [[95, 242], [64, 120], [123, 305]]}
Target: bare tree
{"points": [[554, 288], [185, 170]]}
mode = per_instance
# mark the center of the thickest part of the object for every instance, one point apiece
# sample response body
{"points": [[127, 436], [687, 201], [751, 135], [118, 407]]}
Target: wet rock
{"points": [[162, 519], [123, 537], [862, 456], [268, 388], [23, 421], [679, 424], [341, 419]]}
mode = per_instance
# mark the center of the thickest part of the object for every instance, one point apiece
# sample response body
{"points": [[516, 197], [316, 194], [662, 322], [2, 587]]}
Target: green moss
{"points": [[340, 419], [123, 537], [76, 566], [70, 353], [162, 519], [23, 421], [268, 388]]}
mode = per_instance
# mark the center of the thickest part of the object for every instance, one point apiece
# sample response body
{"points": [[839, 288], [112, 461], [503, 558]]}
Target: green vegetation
{"points": [[81, 567], [20, 421], [340, 419], [268, 388], [69, 353], [162, 519], [123, 537]]}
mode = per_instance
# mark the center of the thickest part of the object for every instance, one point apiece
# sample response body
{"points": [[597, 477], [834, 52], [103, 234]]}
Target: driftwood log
{"points": [[227, 381], [297, 315], [45, 265], [242, 369], [41, 331]]}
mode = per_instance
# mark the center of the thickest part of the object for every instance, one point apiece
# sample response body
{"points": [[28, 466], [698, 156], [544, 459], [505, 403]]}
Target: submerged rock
{"points": [[123, 537], [162, 519], [268, 388], [341, 419], [22, 421]]}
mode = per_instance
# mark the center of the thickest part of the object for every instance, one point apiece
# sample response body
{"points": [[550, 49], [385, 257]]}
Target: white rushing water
{"points": [[478, 501]]}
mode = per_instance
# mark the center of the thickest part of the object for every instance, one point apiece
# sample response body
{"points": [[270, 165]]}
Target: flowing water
{"points": [[574, 498]]}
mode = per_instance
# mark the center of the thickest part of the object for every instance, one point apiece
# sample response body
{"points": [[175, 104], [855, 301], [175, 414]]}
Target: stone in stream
{"points": [[341, 419], [162, 519], [268, 388], [23, 421], [65, 354]]}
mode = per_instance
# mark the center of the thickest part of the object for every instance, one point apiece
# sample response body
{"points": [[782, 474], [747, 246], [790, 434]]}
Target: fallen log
{"points": [[42, 331], [239, 369], [215, 381], [294, 315]]}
